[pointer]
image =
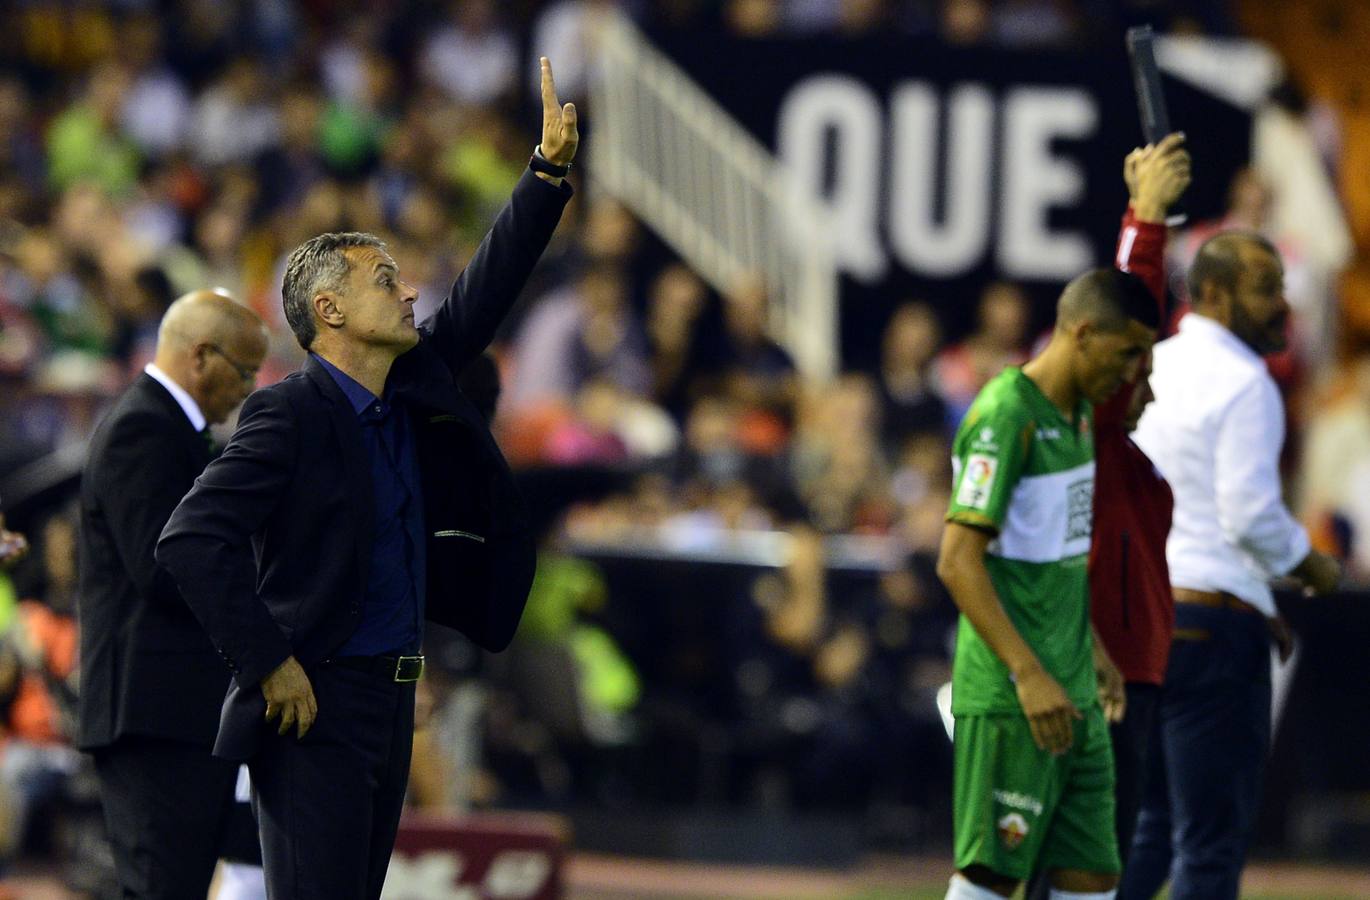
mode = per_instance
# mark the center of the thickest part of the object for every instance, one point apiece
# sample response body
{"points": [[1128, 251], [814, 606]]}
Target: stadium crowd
{"points": [[148, 149]]}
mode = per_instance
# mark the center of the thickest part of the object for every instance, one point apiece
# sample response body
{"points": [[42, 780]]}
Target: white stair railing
{"points": [[686, 167]]}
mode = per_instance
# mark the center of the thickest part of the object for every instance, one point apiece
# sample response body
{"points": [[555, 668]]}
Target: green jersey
{"points": [[1025, 472]]}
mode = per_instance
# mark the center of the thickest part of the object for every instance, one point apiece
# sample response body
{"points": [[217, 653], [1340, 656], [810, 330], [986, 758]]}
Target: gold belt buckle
{"points": [[408, 668]]}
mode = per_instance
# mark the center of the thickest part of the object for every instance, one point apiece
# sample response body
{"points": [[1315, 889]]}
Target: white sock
{"points": [[1058, 894], [962, 888], [241, 881]]}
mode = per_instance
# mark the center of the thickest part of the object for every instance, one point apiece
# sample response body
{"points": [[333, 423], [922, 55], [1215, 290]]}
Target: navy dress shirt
{"points": [[392, 608]]}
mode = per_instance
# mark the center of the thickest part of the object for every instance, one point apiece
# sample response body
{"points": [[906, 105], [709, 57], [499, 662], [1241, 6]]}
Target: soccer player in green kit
{"points": [[1033, 766]]}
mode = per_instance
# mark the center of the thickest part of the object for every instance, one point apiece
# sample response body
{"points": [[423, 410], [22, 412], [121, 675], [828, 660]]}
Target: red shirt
{"points": [[1129, 584]]}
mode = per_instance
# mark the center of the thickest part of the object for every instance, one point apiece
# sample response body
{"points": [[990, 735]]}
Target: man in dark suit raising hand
{"points": [[357, 498], [151, 682]]}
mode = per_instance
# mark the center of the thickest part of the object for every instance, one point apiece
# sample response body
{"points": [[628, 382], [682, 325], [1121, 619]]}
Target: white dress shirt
{"points": [[1215, 432], [184, 400]]}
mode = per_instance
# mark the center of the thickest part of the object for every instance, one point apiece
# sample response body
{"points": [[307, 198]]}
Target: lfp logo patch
{"points": [[1013, 830], [977, 482]]}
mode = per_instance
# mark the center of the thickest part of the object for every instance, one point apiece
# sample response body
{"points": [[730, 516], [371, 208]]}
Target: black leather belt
{"points": [[401, 669]]}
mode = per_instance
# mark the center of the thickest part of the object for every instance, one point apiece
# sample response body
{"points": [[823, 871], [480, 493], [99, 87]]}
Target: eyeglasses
{"points": [[247, 373]]}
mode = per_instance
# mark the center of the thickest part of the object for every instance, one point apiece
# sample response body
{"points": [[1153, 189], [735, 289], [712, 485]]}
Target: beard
{"points": [[1263, 337]]}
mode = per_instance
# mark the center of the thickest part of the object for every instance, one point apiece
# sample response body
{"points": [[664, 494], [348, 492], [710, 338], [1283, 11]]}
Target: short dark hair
{"points": [[319, 264], [1218, 261], [1109, 298]]}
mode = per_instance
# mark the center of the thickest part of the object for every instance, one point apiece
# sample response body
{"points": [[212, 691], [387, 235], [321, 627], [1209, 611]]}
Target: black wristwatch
{"points": [[540, 163]]}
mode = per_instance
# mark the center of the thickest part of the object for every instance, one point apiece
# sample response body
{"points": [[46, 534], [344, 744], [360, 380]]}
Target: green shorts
{"points": [[1017, 809]]}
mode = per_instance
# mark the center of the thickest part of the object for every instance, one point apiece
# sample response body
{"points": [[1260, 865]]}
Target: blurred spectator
{"points": [[566, 597], [589, 436], [578, 334], [61, 38], [353, 127], [480, 163], [275, 28], [568, 32], [342, 60], [85, 140], [85, 219], [838, 464], [921, 487], [400, 166], [675, 302], [49, 288], [752, 18], [153, 217], [909, 401], [864, 18], [750, 366], [21, 150], [429, 246], [138, 311], [156, 109], [800, 667], [286, 170], [569, 692], [1334, 469], [206, 35], [1305, 214], [712, 512], [712, 452], [911, 629], [472, 57], [999, 340], [610, 232], [39, 657], [232, 122], [965, 23], [215, 256]]}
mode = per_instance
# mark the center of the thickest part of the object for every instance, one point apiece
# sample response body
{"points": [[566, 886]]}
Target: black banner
{"points": [[943, 169]]}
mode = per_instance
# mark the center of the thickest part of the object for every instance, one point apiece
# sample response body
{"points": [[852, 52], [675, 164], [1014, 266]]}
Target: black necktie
{"points": [[210, 444]]}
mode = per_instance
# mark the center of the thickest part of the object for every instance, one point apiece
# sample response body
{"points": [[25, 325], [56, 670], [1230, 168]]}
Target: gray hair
{"points": [[319, 264]]}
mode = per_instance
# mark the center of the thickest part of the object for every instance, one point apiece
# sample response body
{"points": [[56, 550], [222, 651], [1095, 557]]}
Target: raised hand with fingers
{"points": [[560, 137], [1156, 176]]}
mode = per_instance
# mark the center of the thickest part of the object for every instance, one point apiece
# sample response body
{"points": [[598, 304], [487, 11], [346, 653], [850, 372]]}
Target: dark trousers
{"points": [[168, 809], [1211, 737], [1132, 739], [1131, 742], [328, 806]]}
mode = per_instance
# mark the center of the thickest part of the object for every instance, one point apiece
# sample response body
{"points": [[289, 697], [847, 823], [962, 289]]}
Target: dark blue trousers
{"points": [[328, 806], [1211, 737]]}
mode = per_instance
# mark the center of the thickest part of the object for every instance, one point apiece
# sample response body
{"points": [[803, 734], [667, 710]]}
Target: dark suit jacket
{"points": [[293, 490], [147, 667]]}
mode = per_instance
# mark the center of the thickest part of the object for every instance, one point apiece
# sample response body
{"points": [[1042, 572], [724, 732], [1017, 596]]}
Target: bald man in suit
{"points": [[151, 682]]}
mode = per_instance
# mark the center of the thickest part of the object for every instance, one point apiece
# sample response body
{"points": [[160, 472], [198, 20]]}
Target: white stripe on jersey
{"points": [[1050, 517]]}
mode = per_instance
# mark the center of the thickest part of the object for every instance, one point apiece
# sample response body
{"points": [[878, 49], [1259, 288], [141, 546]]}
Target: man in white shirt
{"points": [[151, 682], [1215, 432]]}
